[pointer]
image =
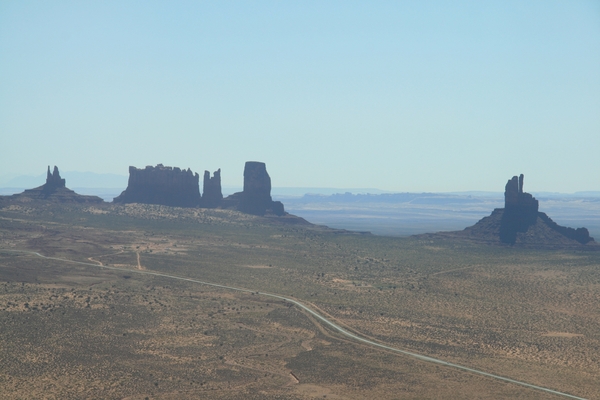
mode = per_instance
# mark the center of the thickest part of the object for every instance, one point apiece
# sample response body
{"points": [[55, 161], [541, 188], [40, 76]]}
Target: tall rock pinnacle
{"points": [[212, 196], [53, 181]]}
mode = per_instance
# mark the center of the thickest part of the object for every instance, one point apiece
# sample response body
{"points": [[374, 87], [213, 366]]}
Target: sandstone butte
{"points": [[180, 188], [161, 185]]}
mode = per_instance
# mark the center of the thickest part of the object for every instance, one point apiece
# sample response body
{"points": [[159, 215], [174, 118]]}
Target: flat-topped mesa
{"points": [[212, 196], [162, 185], [256, 196]]}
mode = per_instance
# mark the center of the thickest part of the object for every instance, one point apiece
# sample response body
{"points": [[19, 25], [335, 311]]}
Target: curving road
{"points": [[320, 318]]}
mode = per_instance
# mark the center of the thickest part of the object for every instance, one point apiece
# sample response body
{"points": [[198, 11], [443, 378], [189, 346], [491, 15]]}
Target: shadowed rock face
{"points": [[520, 210], [256, 197], [212, 196], [53, 181], [179, 188], [161, 185], [514, 197]]}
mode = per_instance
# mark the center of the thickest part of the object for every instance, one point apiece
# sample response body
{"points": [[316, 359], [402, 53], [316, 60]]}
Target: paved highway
{"points": [[320, 318]]}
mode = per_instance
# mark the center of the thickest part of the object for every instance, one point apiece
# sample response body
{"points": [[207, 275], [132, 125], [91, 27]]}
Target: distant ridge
{"points": [[76, 179], [323, 191]]}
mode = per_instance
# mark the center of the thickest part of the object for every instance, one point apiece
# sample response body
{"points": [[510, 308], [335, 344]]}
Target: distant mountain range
{"points": [[74, 180]]}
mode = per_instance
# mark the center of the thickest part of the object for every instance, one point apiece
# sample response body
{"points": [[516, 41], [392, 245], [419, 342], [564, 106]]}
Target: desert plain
{"points": [[79, 330]]}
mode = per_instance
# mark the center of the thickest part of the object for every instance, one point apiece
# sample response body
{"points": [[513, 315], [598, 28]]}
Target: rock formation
{"points": [[515, 198], [53, 181], [161, 185], [179, 188], [256, 196], [54, 190], [172, 186], [520, 222], [212, 196], [520, 210]]}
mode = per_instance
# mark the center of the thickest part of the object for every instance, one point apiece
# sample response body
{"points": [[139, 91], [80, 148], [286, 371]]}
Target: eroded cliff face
{"points": [[162, 185]]}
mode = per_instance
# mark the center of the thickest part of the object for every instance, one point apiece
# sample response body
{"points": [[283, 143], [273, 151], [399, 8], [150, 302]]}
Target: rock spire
{"points": [[520, 210], [53, 180], [212, 196]]}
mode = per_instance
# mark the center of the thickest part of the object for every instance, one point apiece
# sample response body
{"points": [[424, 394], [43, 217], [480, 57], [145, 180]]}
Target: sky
{"points": [[403, 96]]}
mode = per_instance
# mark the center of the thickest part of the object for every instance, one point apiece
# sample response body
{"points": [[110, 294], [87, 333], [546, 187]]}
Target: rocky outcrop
{"points": [[54, 190], [516, 198], [581, 235], [53, 181], [212, 196], [256, 196], [162, 185], [179, 188], [520, 222], [175, 187], [520, 210]]}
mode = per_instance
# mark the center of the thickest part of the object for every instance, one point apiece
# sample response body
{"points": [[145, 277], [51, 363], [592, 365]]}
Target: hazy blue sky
{"points": [[398, 95]]}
